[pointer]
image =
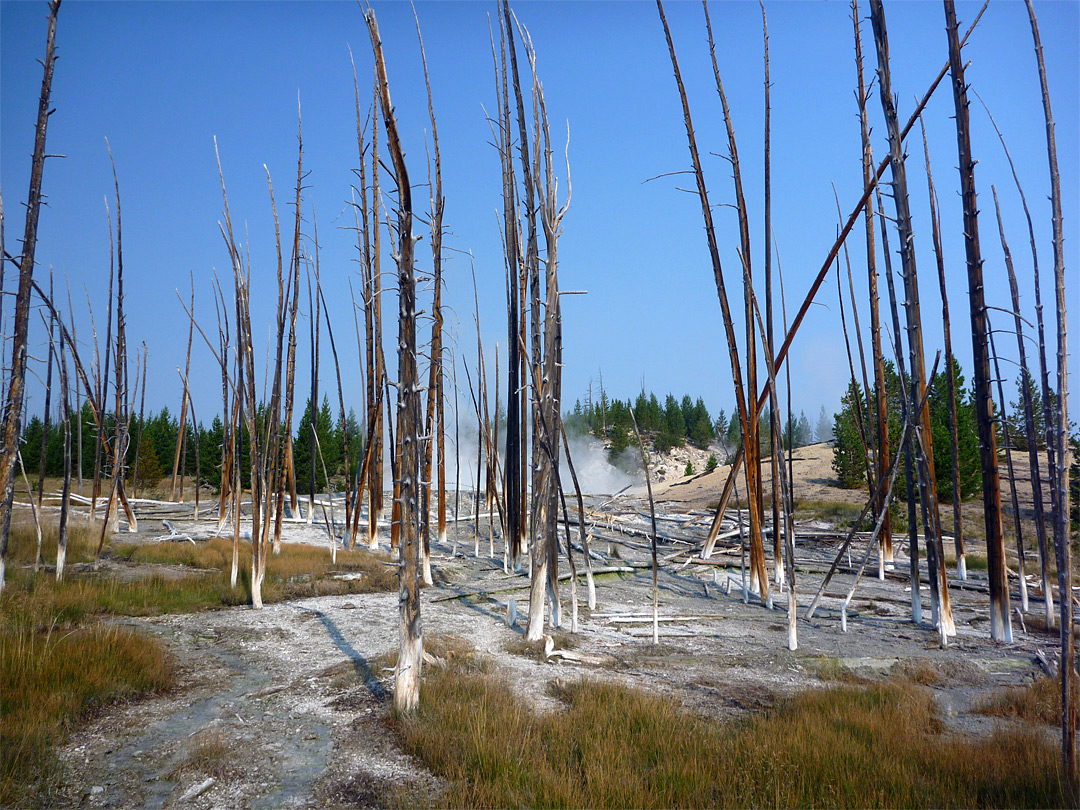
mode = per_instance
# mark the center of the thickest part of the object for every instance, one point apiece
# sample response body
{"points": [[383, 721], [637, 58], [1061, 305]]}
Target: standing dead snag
{"points": [[1026, 383], [939, 588], [759, 579], [434, 419], [747, 411], [65, 394], [181, 433], [1000, 627], [1059, 483], [652, 535], [290, 362], [411, 654], [950, 379], [881, 407], [12, 422]]}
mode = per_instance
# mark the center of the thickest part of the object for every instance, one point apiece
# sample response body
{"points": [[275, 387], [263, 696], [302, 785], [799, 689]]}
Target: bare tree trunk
{"points": [[410, 656], [1026, 381], [1004, 422], [652, 535], [181, 435], [774, 404], [12, 426], [954, 438], [1000, 621], [38, 559], [1060, 474], [581, 522], [62, 531], [290, 361], [939, 588], [909, 465], [881, 407], [745, 415], [759, 579]]}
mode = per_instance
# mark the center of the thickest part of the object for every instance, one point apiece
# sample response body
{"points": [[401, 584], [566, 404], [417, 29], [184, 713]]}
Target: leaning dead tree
{"points": [[12, 418], [411, 652]]}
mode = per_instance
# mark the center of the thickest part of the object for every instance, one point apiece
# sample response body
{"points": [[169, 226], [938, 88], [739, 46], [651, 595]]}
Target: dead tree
{"points": [[652, 534], [65, 493], [881, 406], [1003, 420], [905, 444], [49, 323], [138, 436], [1000, 626], [410, 656], [1057, 436], [375, 506], [12, 420], [950, 380], [808, 300], [434, 422], [745, 407], [759, 581], [776, 441], [516, 406], [287, 468], [1026, 382], [181, 433], [939, 588]]}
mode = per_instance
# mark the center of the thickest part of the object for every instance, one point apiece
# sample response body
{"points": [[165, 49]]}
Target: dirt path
{"points": [[285, 707]]}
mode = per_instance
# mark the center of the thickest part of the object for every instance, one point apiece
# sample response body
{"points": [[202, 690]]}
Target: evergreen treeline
{"points": [[674, 423], [154, 443]]}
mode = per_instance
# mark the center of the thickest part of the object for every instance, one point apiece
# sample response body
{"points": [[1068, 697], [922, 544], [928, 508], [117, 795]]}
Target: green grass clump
{"points": [[53, 673], [613, 746]]}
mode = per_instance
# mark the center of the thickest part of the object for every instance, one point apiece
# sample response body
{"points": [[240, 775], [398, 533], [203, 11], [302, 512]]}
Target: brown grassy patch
{"points": [[832, 670], [919, 671], [619, 747], [83, 536], [298, 571], [1036, 702], [51, 675]]}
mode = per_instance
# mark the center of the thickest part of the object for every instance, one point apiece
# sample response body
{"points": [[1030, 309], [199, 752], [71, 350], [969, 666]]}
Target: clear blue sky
{"points": [[161, 79]]}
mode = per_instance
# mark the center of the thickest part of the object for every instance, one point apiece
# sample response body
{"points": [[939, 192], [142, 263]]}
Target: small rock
{"points": [[348, 606], [96, 790]]}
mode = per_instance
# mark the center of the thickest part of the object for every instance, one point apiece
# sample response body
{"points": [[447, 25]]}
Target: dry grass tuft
{"points": [[620, 747], [206, 754], [918, 671], [1036, 702], [832, 670]]}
